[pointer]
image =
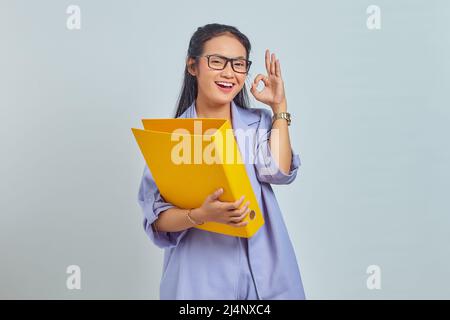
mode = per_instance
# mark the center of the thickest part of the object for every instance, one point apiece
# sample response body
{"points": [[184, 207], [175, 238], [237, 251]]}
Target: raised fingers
{"points": [[272, 64], [267, 59], [277, 68]]}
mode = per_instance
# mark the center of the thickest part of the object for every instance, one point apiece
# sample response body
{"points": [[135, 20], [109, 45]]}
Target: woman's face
{"points": [[209, 87]]}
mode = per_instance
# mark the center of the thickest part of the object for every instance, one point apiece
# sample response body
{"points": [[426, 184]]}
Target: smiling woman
{"points": [[220, 71], [199, 264]]}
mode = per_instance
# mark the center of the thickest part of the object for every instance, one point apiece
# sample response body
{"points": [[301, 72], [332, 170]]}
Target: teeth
{"points": [[226, 84]]}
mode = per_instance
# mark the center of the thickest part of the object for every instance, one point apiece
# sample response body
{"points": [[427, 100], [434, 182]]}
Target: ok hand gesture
{"points": [[273, 92]]}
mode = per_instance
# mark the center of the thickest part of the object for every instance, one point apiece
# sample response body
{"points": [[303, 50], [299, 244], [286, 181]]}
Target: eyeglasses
{"points": [[217, 62]]}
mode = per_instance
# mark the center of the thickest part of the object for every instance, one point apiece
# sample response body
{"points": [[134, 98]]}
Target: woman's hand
{"points": [[229, 213], [273, 92]]}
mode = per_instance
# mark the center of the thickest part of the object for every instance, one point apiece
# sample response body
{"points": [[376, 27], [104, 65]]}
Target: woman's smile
{"points": [[225, 86]]}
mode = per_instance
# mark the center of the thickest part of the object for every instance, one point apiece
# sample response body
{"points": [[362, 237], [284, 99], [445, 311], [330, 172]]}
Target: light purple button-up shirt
{"points": [[199, 264]]}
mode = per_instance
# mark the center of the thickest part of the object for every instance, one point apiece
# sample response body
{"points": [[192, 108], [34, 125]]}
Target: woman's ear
{"points": [[191, 67]]}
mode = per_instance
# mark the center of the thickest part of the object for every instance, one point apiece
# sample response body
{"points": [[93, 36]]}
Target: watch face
{"points": [[288, 118]]}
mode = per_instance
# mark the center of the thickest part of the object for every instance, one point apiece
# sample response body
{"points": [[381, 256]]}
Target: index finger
{"points": [[236, 204]]}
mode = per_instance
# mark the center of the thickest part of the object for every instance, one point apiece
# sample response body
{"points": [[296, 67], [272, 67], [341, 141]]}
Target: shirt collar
{"points": [[240, 117]]}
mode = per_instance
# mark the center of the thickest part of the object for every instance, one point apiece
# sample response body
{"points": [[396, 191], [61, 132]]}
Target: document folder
{"points": [[190, 159]]}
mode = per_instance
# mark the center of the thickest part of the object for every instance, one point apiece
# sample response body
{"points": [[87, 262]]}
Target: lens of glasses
{"points": [[240, 65], [218, 63]]}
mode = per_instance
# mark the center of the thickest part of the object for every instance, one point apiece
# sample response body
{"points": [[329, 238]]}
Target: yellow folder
{"points": [[190, 159]]}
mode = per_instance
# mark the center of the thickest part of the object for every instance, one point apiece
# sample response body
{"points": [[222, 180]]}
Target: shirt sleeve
{"points": [[152, 204], [267, 169]]}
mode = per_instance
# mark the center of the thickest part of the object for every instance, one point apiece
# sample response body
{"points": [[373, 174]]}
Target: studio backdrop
{"points": [[367, 84]]}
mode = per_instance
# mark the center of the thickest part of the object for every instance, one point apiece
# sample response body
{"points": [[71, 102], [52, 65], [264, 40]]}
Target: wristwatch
{"points": [[282, 115]]}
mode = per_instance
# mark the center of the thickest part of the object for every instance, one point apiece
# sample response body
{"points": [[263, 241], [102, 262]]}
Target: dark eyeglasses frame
{"points": [[208, 56]]}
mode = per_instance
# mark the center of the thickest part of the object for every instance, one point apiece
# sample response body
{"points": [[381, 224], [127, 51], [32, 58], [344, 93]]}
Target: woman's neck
{"points": [[207, 110]]}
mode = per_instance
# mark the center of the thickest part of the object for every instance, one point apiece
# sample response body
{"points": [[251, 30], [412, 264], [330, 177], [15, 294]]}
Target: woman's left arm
{"points": [[274, 96], [280, 143]]}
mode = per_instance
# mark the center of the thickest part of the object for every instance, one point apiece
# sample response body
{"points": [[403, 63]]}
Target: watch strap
{"points": [[282, 115]]}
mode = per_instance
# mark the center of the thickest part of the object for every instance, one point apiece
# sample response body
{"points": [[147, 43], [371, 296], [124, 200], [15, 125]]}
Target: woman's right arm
{"points": [[176, 219]]}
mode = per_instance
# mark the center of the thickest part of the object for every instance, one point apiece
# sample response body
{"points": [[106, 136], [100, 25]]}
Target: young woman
{"points": [[205, 265]]}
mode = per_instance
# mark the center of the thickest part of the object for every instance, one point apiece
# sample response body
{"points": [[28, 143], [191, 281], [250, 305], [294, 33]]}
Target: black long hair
{"points": [[189, 89]]}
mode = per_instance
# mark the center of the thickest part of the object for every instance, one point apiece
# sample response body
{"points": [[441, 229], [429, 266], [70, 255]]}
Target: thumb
{"points": [[216, 194]]}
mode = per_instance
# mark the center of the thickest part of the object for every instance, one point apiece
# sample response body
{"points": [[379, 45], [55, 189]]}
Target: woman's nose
{"points": [[228, 70]]}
